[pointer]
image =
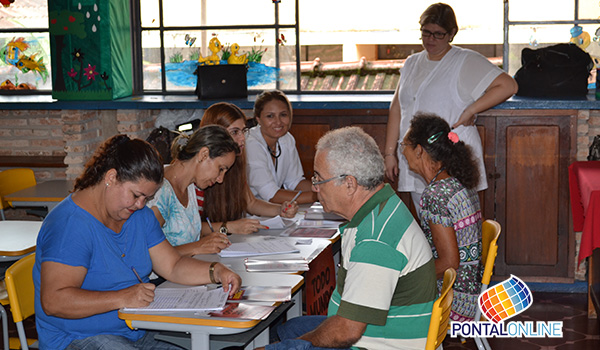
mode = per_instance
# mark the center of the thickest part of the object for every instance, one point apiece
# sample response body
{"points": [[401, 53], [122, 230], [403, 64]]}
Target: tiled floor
{"points": [[579, 332]]}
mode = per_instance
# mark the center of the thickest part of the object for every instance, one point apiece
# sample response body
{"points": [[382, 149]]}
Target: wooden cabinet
{"points": [[527, 154]]}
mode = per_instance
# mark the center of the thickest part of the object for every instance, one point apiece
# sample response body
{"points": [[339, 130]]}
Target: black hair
{"points": [[214, 137], [431, 132], [132, 159]]}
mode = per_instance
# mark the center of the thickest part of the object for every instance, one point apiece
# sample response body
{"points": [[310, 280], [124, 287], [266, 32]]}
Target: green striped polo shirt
{"points": [[387, 275]]}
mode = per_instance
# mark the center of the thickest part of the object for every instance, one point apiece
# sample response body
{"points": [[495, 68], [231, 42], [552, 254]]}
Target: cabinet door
{"points": [[533, 153], [309, 125]]}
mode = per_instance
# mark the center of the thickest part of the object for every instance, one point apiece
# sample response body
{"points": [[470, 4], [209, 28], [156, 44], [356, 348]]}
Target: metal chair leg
{"points": [[4, 327]]}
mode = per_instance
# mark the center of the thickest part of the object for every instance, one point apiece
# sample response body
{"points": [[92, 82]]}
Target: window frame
{"points": [[137, 29]]}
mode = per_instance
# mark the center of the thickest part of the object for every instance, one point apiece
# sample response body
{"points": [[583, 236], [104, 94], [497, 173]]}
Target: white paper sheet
{"points": [[185, 299]]}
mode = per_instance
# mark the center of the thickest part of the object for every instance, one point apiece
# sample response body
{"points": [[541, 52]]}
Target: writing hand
{"points": [[139, 295], [289, 209]]}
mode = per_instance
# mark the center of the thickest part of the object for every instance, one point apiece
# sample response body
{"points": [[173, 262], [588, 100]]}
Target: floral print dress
{"points": [[447, 202]]}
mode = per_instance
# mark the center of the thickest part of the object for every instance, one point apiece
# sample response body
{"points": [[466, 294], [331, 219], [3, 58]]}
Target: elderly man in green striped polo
{"points": [[386, 284]]}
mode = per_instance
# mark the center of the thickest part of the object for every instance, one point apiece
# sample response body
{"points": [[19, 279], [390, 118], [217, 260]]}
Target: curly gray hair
{"points": [[351, 151]]}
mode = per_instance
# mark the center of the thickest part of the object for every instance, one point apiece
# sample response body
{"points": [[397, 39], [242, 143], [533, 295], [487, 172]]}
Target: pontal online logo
{"points": [[499, 303]]}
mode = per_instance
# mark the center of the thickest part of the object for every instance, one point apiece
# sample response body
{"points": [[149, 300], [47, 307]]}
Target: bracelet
{"points": [[211, 272], [389, 154]]}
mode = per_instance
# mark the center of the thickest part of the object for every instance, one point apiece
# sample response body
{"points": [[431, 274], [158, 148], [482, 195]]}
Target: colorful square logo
{"points": [[505, 300]]}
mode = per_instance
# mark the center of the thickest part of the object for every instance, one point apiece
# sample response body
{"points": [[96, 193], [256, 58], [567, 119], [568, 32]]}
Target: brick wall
{"points": [[33, 133], [72, 134]]}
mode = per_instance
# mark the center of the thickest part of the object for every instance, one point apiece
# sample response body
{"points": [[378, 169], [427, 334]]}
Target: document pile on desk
{"points": [[185, 299], [267, 246], [249, 302], [282, 265], [316, 212], [262, 293]]}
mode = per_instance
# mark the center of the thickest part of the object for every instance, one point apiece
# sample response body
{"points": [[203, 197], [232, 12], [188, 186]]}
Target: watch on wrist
{"points": [[224, 230]]}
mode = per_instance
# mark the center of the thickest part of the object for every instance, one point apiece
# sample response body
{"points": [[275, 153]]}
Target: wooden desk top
{"points": [[48, 191], [18, 237]]}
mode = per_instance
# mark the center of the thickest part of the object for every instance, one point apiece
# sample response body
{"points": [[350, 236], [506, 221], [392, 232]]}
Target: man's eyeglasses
{"points": [[237, 132], [315, 182], [437, 35]]}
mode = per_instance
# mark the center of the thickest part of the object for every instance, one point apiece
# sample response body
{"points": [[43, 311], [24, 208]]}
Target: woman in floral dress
{"points": [[450, 211]]}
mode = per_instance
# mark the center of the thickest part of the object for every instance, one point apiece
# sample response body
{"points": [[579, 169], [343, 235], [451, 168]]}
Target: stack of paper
{"points": [[245, 311], [277, 222], [282, 265], [316, 212], [185, 299], [262, 293], [266, 246], [313, 232]]}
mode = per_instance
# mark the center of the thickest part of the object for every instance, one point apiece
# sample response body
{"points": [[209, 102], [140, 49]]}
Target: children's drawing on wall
{"points": [[180, 71], [23, 64], [84, 41]]}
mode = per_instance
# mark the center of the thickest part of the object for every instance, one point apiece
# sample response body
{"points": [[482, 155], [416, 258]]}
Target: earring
{"points": [[107, 184]]}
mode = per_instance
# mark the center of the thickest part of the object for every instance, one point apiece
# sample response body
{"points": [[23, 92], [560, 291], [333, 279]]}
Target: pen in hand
{"points": [[136, 274], [210, 225], [293, 199]]}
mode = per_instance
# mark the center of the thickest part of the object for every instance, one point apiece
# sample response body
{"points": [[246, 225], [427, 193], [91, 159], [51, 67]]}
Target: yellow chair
{"points": [[490, 231], [21, 294], [13, 180], [440, 315]]}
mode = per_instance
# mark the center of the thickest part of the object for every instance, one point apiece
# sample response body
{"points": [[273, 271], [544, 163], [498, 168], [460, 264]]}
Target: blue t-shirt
{"points": [[72, 236]]}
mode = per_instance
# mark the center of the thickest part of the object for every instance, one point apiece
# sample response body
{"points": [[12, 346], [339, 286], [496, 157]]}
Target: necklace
{"points": [[436, 175]]}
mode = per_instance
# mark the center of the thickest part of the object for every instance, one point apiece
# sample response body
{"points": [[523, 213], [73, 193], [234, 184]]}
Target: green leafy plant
{"points": [[226, 52], [177, 57], [255, 55], [194, 55]]}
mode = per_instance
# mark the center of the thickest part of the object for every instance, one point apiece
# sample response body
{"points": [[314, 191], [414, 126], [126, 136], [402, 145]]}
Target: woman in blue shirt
{"points": [[93, 245]]}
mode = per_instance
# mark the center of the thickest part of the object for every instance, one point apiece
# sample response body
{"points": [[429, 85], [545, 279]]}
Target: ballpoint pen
{"points": [[293, 199], [136, 274], [210, 225]]}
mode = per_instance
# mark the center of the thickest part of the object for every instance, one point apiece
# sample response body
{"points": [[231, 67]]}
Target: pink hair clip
{"points": [[453, 137]]}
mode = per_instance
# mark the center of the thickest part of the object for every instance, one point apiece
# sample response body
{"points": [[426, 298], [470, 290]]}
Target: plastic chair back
{"points": [[13, 180], [490, 231], [440, 315], [21, 293]]}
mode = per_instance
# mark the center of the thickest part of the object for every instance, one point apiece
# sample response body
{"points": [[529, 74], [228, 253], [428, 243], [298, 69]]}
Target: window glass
{"points": [[149, 13], [24, 55], [184, 49], [152, 79], [217, 12], [550, 10], [589, 9], [24, 14]]}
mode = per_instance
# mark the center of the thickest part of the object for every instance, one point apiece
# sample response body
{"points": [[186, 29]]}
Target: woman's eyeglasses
{"points": [[437, 35], [237, 132], [403, 146]]}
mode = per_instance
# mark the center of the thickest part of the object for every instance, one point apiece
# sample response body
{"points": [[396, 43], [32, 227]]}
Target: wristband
{"points": [[211, 272]]}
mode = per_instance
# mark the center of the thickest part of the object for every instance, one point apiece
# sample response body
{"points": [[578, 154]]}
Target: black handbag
{"points": [[554, 71], [222, 81]]}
